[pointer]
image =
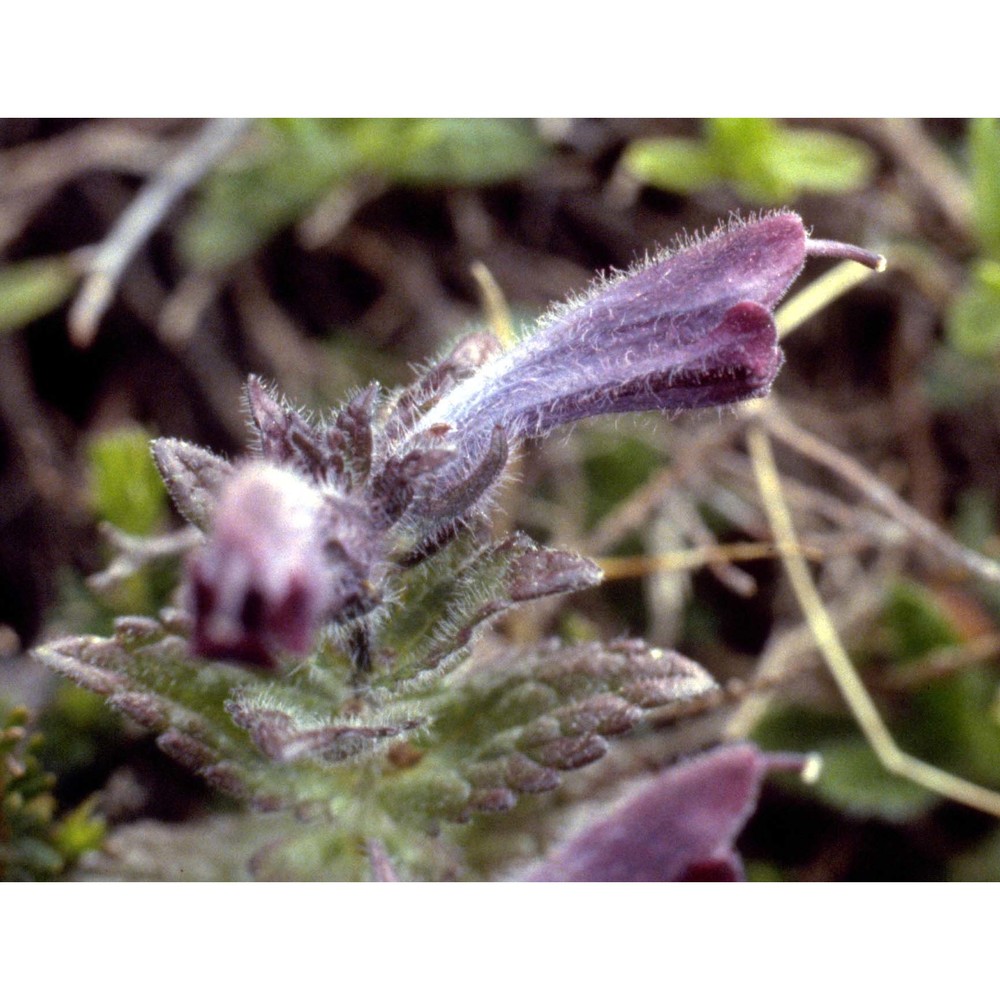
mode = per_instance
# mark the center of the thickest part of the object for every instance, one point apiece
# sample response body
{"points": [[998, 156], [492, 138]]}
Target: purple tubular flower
{"points": [[681, 826], [688, 330], [306, 535]]}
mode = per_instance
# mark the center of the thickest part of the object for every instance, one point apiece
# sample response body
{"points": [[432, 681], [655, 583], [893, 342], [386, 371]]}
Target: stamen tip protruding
{"points": [[845, 251]]}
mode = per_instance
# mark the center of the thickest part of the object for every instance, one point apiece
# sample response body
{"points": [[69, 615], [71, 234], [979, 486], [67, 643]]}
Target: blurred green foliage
{"points": [[615, 464], [78, 728], [126, 490], [973, 321], [295, 162], [35, 843], [127, 493], [32, 288], [947, 720], [761, 159], [984, 164]]}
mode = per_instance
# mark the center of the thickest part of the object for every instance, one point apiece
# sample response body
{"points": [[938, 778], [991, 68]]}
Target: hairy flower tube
{"points": [[690, 329], [311, 532]]}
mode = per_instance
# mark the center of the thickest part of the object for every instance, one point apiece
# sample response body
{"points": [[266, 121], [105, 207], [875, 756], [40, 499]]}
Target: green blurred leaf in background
{"points": [[294, 162], [34, 843], [32, 288], [761, 159], [947, 720], [973, 319], [126, 489], [984, 165]]}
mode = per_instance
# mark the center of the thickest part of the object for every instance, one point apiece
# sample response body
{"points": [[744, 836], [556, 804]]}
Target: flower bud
{"points": [[260, 583]]}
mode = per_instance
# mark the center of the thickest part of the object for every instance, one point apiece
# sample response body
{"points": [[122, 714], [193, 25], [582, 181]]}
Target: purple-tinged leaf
{"points": [[193, 477], [277, 734], [187, 750], [680, 826], [522, 774], [489, 800], [275, 422], [542, 572], [354, 423], [392, 490], [287, 438], [85, 661], [146, 709], [468, 354], [549, 709], [571, 752], [515, 771], [457, 492]]}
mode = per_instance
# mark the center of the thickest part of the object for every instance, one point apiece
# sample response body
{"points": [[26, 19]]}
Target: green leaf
{"points": [[916, 622], [294, 162], [290, 165], [854, 780], [984, 161], [79, 831], [440, 151], [208, 714], [950, 722], [511, 725], [444, 603], [973, 321], [948, 719], [763, 160], [851, 779], [768, 162], [126, 488], [822, 162], [30, 289], [681, 165], [743, 151]]}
